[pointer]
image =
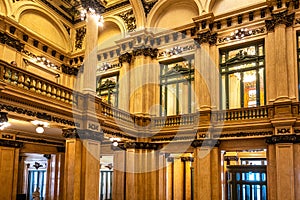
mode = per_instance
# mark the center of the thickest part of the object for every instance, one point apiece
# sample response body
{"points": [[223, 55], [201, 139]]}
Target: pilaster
{"points": [[207, 171]]}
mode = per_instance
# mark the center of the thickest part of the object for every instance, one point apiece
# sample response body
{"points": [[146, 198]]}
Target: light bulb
{"points": [[115, 143], [39, 129]]}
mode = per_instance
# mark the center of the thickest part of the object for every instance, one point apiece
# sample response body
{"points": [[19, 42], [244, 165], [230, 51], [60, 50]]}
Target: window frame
{"points": [[108, 88]]}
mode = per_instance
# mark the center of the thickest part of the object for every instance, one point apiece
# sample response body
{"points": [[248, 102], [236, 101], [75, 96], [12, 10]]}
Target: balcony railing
{"points": [[26, 80]]}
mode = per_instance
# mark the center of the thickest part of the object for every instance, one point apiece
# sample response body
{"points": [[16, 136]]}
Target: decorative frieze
{"points": [[206, 37], [206, 143], [12, 42], [69, 70], [11, 143], [244, 134], [129, 20], [70, 133], [176, 51], [242, 33], [283, 139], [280, 18], [187, 159], [139, 145], [80, 34]]}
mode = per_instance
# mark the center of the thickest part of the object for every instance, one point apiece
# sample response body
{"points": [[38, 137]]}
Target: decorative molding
{"points": [[207, 142], [80, 34], [129, 20], [206, 37], [126, 57], [12, 42], [145, 51], [283, 130], [241, 33], [70, 133], [148, 5], [283, 139], [39, 115], [82, 134], [244, 134], [187, 159], [11, 143], [107, 66], [139, 145], [280, 18], [39, 141], [176, 50], [69, 70]]}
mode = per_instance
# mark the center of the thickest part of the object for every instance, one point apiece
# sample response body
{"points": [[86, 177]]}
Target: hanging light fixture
{"points": [[40, 125], [3, 120], [40, 129], [115, 141]]}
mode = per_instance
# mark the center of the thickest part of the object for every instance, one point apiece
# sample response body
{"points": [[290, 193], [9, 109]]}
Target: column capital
{"points": [[280, 18], [275, 139], [145, 51], [187, 159], [125, 58], [206, 143], [206, 37]]}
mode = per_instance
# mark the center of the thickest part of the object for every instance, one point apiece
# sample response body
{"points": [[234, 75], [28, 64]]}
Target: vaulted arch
{"points": [[43, 24], [112, 30], [138, 11], [170, 14], [3, 8], [223, 6]]}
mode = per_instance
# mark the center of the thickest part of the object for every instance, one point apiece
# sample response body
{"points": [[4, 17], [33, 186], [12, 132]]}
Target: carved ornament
{"points": [[280, 18]]}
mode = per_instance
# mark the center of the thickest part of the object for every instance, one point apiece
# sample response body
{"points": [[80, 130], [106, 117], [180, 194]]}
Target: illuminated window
{"points": [[176, 83], [108, 89], [243, 76]]}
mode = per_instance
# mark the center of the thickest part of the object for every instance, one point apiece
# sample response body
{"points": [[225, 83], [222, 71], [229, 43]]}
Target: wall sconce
{"points": [[40, 125], [3, 120], [115, 141]]}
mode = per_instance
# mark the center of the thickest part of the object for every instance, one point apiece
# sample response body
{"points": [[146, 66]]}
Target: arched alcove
{"points": [[108, 34], [43, 26], [173, 14], [3, 9], [224, 6]]}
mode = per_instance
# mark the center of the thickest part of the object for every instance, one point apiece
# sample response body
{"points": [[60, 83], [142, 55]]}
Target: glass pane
{"points": [[250, 88], [223, 89], [262, 86], [183, 95], [171, 99], [243, 66], [234, 84]]}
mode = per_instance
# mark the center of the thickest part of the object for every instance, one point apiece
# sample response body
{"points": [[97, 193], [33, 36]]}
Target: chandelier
{"points": [[92, 7]]}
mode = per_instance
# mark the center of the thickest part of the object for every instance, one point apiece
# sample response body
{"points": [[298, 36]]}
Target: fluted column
{"points": [[90, 55], [207, 170]]}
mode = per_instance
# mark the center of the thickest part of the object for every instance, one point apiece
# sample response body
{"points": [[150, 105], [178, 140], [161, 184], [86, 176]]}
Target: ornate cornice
{"points": [[11, 143], [70, 133], [244, 134], [280, 18], [126, 57], [69, 70], [12, 42], [129, 20], [80, 34], [36, 140], [39, 115], [139, 145], [145, 51], [206, 37], [283, 139], [206, 143]]}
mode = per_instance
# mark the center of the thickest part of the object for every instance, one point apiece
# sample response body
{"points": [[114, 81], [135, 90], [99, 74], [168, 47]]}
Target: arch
{"points": [[55, 32], [138, 11], [223, 6], [3, 8], [168, 15], [111, 31]]}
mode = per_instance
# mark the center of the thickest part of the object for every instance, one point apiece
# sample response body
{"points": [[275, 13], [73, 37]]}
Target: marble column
{"points": [[124, 82], [82, 169], [9, 161], [207, 168], [90, 55]]}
